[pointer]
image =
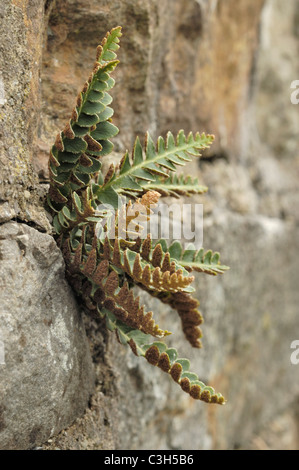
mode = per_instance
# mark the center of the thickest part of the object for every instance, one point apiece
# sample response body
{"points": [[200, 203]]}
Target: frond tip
{"points": [[157, 354]]}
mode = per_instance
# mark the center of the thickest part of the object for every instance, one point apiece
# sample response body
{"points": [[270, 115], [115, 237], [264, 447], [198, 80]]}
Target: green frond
{"points": [[197, 260], [74, 157], [110, 44], [189, 259], [176, 186], [79, 211], [151, 166]]}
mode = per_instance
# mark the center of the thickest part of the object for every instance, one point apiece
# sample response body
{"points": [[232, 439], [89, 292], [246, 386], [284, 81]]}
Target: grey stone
{"points": [[277, 119], [21, 39], [46, 377]]}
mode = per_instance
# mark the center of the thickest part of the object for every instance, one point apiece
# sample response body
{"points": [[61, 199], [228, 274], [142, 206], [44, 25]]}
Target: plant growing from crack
{"points": [[102, 269]]}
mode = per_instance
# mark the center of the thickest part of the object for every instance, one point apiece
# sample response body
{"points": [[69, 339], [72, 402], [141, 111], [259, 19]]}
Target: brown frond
{"points": [[68, 131], [145, 273], [152, 355], [101, 272], [90, 264], [92, 144], [164, 362], [75, 265], [120, 300], [157, 256], [109, 173], [146, 247], [191, 318], [59, 142]]}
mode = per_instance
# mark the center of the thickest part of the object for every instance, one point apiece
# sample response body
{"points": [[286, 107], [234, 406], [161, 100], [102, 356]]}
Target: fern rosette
{"points": [[103, 269]]}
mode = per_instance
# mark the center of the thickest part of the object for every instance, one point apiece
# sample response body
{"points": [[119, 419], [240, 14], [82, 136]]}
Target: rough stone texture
{"points": [[21, 39], [277, 67], [223, 67], [173, 74], [47, 376]]}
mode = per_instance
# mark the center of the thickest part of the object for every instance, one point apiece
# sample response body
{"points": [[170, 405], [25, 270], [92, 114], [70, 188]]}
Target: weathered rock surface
{"points": [[174, 73], [47, 376], [21, 40], [277, 117], [245, 355]]}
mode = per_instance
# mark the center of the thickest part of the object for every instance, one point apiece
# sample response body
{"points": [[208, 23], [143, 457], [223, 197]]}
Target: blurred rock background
{"points": [[219, 66]]}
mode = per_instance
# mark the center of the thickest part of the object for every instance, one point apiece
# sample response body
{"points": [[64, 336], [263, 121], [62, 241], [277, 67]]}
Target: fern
{"points": [[103, 269], [149, 169]]}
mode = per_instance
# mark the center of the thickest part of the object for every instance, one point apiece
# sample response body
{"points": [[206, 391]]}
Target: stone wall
{"points": [[220, 66]]}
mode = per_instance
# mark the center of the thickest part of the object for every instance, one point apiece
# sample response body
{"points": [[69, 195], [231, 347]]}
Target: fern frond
{"points": [[187, 308], [74, 157], [189, 259], [158, 354], [145, 272], [103, 271], [152, 164], [80, 210], [102, 287], [175, 257], [176, 186], [109, 45], [197, 260]]}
